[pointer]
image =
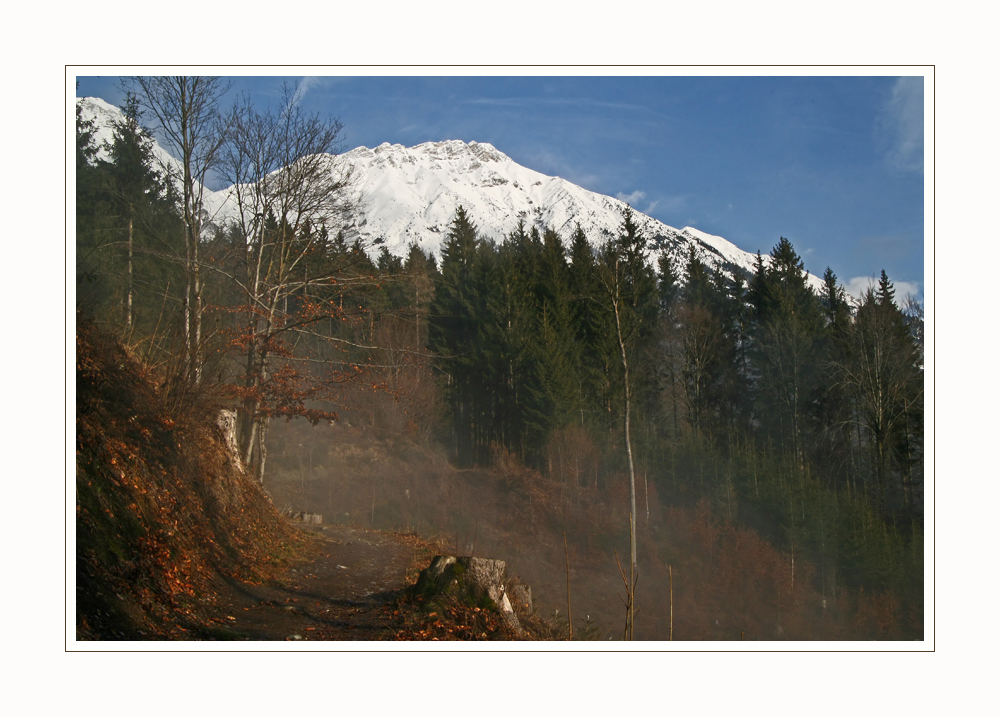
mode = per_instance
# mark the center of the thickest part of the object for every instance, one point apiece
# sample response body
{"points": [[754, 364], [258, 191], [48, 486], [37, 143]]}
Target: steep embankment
{"points": [[161, 513]]}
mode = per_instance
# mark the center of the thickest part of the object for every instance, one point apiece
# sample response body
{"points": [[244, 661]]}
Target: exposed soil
{"points": [[346, 591]]}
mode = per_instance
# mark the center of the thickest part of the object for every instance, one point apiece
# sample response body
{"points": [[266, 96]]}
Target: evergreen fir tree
{"points": [[834, 301], [453, 332], [833, 445], [886, 293], [556, 334], [91, 217], [595, 354], [698, 289], [787, 329], [668, 284], [142, 204]]}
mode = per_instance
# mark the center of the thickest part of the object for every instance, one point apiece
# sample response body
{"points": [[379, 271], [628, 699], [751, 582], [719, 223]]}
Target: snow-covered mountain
{"points": [[408, 195]]}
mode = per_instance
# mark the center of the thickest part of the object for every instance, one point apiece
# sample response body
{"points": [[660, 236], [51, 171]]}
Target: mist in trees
{"points": [[796, 414]]}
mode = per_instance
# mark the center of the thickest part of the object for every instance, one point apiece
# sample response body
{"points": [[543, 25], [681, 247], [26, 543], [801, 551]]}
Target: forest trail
{"points": [[345, 591]]}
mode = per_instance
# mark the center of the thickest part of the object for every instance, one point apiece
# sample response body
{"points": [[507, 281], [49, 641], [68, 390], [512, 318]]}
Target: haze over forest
{"points": [[744, 436]]}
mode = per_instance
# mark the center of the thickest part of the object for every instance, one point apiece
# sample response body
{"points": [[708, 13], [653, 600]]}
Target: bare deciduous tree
{"points": [[286, 181], [186, 113]]}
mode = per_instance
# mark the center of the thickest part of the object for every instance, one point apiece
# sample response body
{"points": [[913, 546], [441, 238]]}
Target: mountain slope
{"points": [[411, 194], [408, 195], [162, 513]]}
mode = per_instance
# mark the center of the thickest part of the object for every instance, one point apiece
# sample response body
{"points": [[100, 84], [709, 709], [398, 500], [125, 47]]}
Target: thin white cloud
{"points": [[858, 286], [306, 84], [904, 289], [636, 196], [902, 120]]}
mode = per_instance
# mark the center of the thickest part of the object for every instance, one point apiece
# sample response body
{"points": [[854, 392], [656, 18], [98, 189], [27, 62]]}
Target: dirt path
{"points": [[345, 593]]}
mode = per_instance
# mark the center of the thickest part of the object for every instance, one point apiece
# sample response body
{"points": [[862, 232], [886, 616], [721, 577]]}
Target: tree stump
{"points": [[478, 581]]}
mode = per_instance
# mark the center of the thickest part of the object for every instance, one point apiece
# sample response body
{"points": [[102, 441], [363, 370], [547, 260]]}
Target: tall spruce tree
{"points": [[788, 324], [453, 329], [92, 220], [555, 335], [730, 389], [833, 447], [595, 354], [667, 365], [140, 197], [508, 369]]}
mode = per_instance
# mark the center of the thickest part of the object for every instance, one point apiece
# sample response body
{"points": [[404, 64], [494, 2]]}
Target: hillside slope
{"points": [[161, 512]]}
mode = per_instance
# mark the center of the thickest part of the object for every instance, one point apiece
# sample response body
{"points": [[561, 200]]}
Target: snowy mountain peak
{"points": [[453, 154], [95, 105], [409, 195]]}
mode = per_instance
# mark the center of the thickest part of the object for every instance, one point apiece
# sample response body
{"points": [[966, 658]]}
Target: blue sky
{"points": [[835, 164]]}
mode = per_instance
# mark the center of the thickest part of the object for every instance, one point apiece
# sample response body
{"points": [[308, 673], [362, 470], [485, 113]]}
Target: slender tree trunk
{"points": [[907, 476], [880, 470], [250, 438], [196, 353], [187, 312], [261, 448], [628, 438], [670, 573], [673, 397], [569, 602], [128, 297]]}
